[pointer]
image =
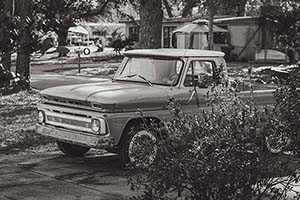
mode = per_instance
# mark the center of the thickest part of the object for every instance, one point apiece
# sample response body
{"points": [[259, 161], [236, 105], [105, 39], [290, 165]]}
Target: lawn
{"points": [[18, 118]]}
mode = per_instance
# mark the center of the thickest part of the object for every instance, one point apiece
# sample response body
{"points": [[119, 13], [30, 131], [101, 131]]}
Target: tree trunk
{"points": [[62, 37], [23, 65], [168, 8], [24, 10], [151, 15], [6, 60], [210, 25]]}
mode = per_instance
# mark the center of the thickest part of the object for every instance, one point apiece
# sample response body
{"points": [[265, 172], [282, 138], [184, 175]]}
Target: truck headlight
{"points": [[96, 125], [41, 116]]}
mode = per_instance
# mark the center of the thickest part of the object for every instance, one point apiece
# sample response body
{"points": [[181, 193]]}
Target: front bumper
{"points": [[80, 138]]}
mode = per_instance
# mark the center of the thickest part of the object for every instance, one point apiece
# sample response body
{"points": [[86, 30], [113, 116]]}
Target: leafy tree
{"points": [[17, 34], [228, 7], [286, 18], [60, 15], [8, 32]]}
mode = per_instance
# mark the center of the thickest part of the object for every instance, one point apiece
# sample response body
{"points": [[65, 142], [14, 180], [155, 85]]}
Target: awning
{"points": [[78, 29], [198, 28]]}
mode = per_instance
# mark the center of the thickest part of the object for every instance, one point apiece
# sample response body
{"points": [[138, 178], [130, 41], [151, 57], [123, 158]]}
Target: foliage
{"points": [[8, 30], [60, 15], [118, 44], [286, 18], [11, 30], [229, 7], [216, 155], [288, 105]]}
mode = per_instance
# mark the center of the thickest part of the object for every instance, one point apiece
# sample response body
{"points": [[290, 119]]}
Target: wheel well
{"points": [[137, 121]]}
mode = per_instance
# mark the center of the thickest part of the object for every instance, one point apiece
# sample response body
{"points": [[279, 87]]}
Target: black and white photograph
{"points": [[149, 99]]}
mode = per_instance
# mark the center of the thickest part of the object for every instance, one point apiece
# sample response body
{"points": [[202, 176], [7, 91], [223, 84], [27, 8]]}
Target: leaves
{"points": [[286, 18], [288, 105], [215, 155]]}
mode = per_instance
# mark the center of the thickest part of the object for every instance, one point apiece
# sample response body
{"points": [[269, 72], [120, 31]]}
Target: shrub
{"points": [[215, 155], [119, 44], [288, 105]]}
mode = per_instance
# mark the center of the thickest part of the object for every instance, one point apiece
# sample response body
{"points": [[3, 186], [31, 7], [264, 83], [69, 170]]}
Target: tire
{"points": [[275, 145], [86, 51], [72, 149], [135, 139]]}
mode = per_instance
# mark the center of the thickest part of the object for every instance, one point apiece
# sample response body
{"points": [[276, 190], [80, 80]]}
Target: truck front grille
{"points": [[69, 121], [78, 123]]}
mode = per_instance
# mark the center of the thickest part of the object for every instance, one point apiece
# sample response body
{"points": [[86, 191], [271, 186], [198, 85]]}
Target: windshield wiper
{"points": [[140, 76]]}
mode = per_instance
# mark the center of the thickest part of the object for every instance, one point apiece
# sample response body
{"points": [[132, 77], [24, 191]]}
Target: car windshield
{"points": [[152, 70]]}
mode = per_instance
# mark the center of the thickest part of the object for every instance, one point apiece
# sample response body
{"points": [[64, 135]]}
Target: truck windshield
{"points": [[153, 70]]}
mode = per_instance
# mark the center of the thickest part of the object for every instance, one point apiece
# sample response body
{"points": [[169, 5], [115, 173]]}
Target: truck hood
{"points": [[114, 95]]}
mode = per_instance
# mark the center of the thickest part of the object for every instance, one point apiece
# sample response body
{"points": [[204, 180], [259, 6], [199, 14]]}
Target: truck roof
{"points": [[176, 53]]}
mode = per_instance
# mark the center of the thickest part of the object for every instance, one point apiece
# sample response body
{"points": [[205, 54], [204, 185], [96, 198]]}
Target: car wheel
{"points": [[138, 148], [276, 145], [72, 149], [86, 51]]}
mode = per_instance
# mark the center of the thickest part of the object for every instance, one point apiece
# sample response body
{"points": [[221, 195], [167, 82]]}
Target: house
{"points": [[241, 38], [247, 36], [169, 25]]}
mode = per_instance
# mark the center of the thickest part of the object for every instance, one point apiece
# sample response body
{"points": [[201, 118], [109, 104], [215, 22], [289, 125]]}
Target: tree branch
{"points": [[97, 11], [168, 8]]}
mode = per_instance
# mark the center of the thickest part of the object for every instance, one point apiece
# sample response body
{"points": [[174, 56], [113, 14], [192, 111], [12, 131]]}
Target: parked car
{"points": [[102, 115]]}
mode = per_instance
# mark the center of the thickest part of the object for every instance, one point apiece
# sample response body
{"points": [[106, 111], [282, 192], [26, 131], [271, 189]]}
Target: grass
{"points": [[18, 117]]}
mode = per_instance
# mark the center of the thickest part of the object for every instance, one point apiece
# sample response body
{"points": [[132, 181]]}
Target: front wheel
{"points": [[72, 149], [138, 148]]}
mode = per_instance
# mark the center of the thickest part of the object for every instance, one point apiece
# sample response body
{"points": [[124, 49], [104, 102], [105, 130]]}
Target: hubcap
{"points": [[277, 145], [142, 149]]}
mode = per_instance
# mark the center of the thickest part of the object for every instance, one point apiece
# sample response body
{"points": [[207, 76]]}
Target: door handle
{"points": [[193, 92]]}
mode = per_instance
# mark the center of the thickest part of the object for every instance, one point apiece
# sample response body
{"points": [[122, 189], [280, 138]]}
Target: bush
{"points": [[216, 155], [119, 44], [288, 106]]}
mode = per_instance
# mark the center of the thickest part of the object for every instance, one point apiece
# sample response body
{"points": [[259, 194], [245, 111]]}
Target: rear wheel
{"points": [[138, 147], [72, 149], [276, 145]]}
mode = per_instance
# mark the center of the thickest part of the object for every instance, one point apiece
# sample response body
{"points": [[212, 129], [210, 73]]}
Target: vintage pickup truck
{"points": [[101, 115]]}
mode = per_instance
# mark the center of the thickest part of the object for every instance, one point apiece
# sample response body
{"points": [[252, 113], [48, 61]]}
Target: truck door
{"points": [[197, 84]]}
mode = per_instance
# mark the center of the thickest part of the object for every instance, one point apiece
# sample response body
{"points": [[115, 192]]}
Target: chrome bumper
{"points": [[81, 138]]}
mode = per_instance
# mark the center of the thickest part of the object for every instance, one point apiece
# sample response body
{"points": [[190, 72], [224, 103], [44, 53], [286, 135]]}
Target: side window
{"points": [[199, 73]]}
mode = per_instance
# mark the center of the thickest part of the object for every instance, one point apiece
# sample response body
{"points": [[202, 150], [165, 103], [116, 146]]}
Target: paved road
{"points": [[54, 176]]}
